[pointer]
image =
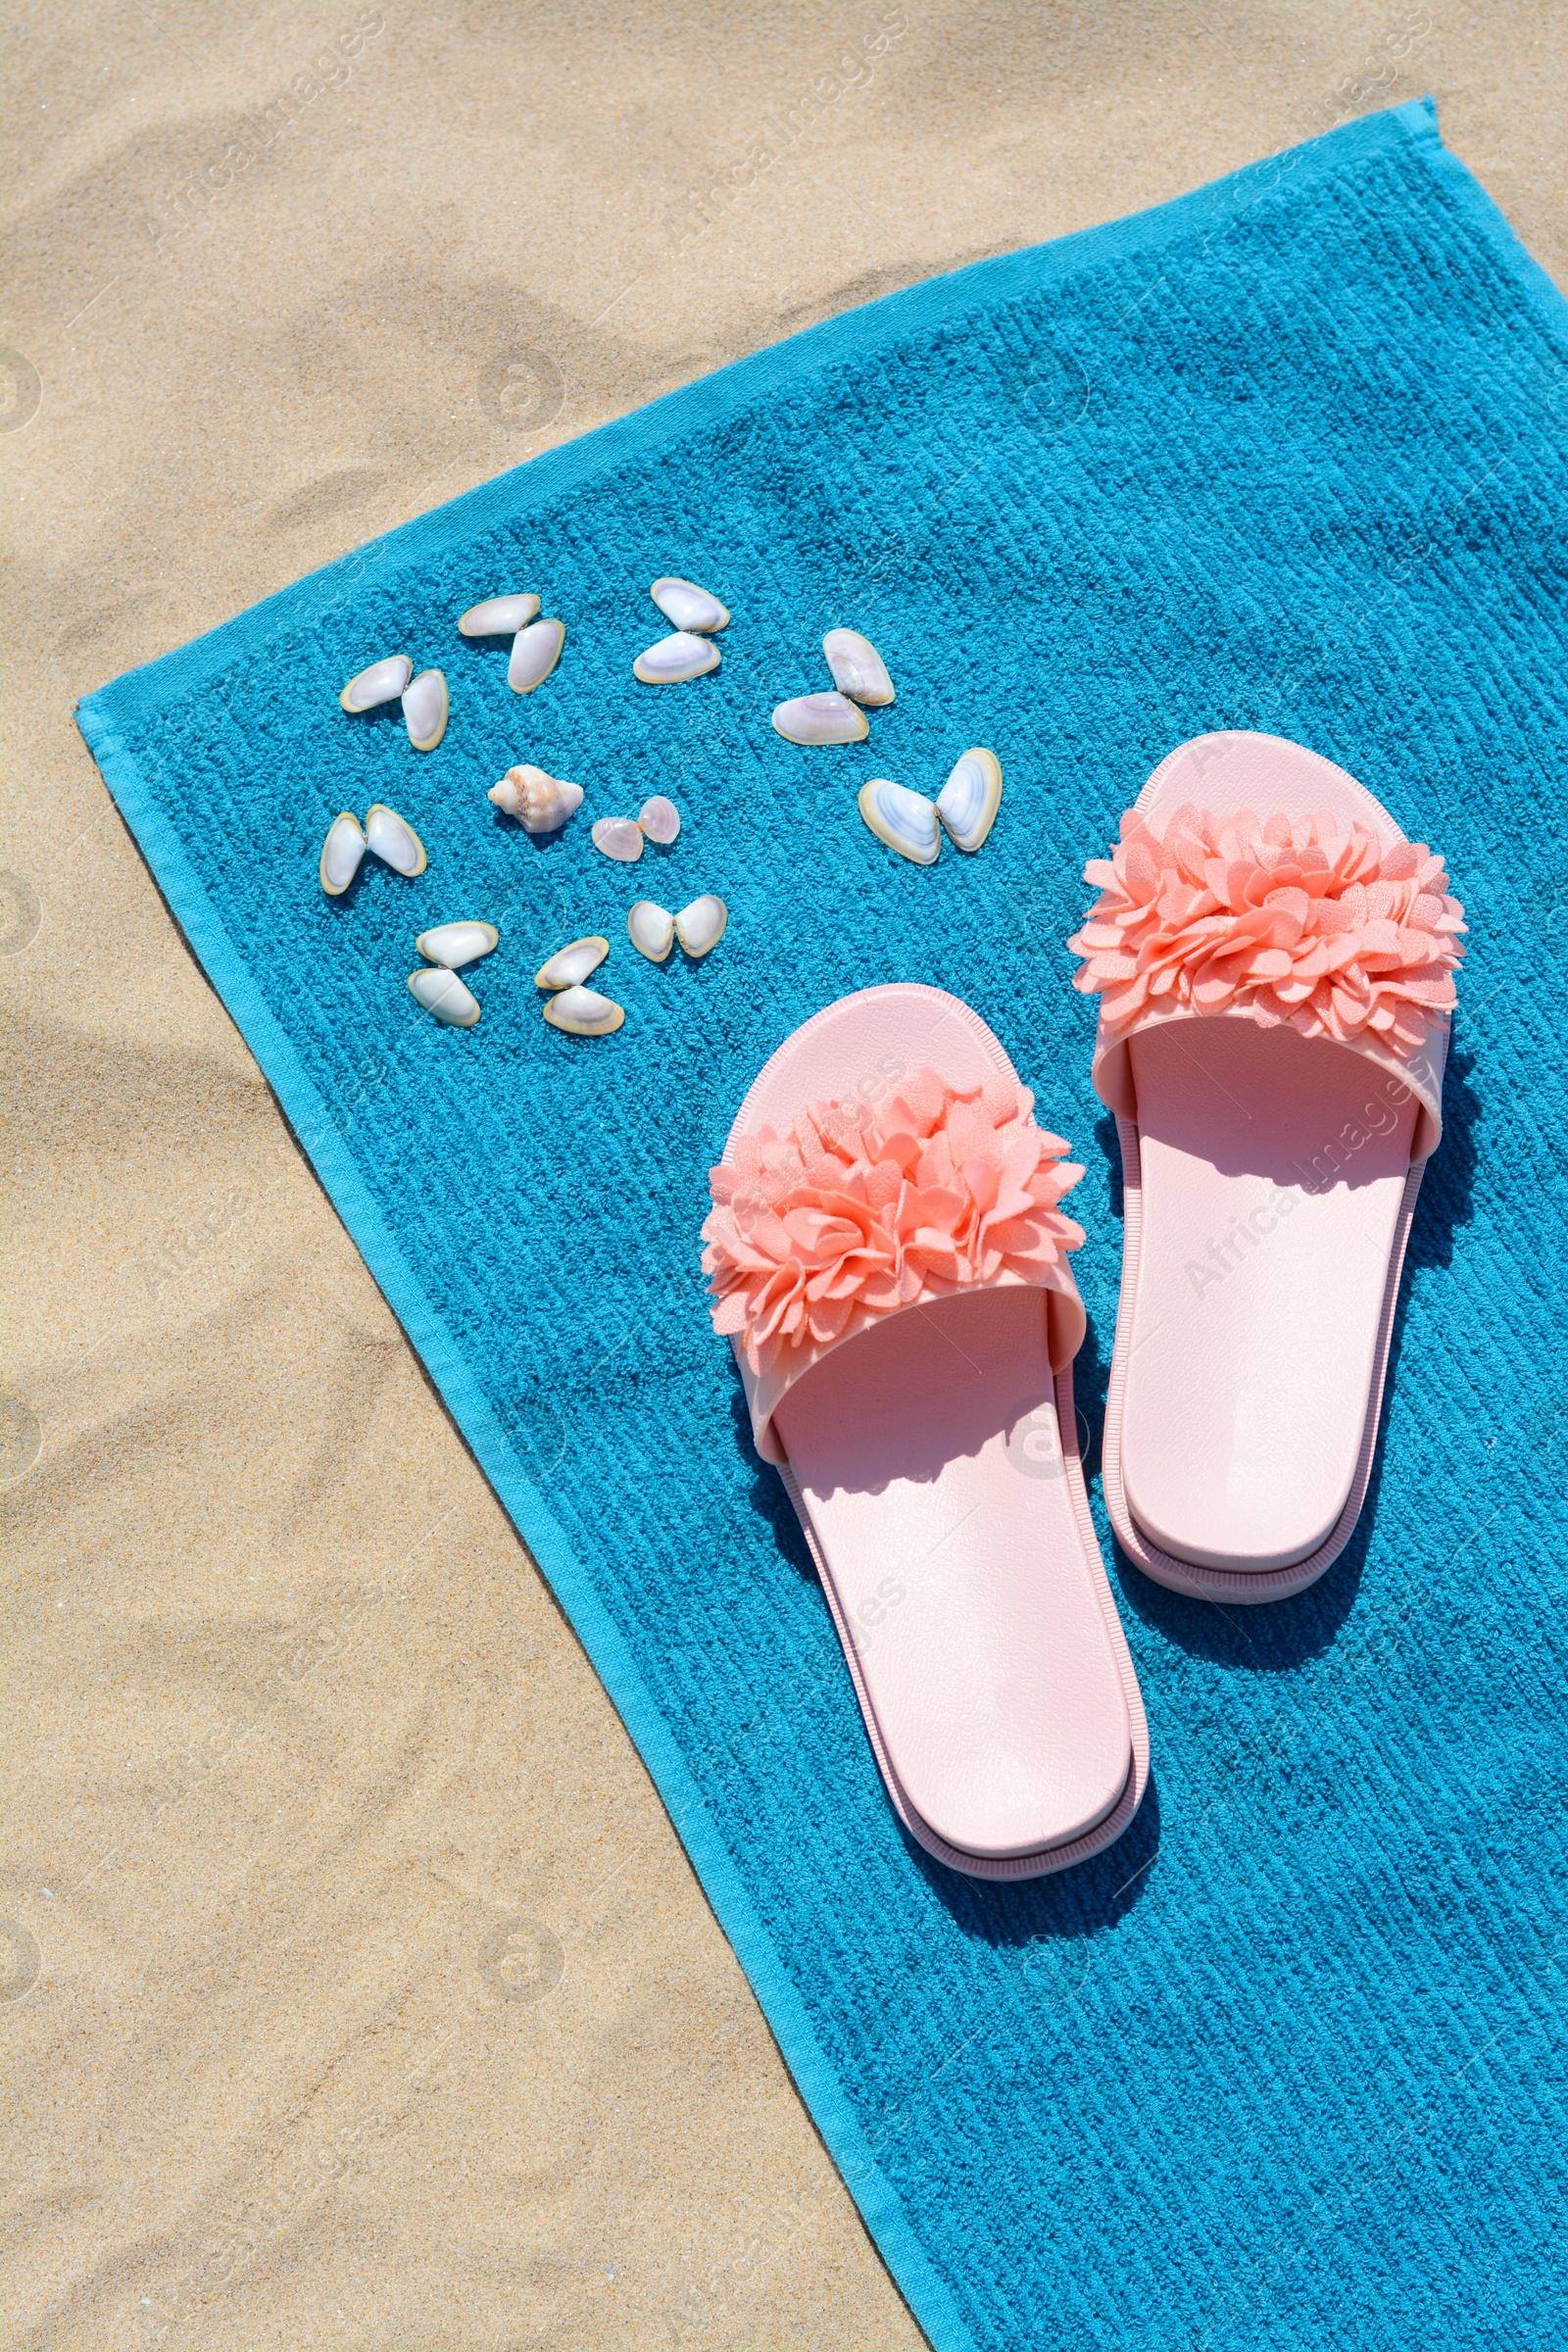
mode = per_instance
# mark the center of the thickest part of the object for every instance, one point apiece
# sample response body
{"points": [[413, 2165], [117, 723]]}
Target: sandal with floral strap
{"points": [[1274, 962], [887, 1255]]}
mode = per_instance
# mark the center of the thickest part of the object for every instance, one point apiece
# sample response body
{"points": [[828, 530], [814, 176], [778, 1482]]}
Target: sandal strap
{"points": [[1304, 921], [855, 1215]]}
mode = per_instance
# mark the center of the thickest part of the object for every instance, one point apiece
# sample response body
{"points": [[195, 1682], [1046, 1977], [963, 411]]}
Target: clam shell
{"points": [[859, 670], [540, 804], [660, 819], [701, 926], [583, 1012], [382, 682], [393, 840], [619, 838], [650, 930], [968, 800], [688, 605], [457, 944], [442, 993], [821, 718], [535, 650], [673, 659], [905, 821], [341, 854], [498, 617], [572, 964], [424, 710]]}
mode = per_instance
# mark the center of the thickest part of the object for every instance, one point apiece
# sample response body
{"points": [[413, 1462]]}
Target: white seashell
{"points": [[905, 821], [572, 964], [701, 926], [859, 670], [675, 657], [688, 605], [382, 682], [341, 853], [540, 804], [968, 800], [424, 710], [583, 1012], [650, 930], [393, 840], [535, 650], [498, 617], [660, 819], [442, 993], [619, 838], [821, 718], [457, 944]]}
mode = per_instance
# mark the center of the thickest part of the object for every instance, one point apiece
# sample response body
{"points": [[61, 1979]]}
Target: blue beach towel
{"points": [[1280, 2068]]}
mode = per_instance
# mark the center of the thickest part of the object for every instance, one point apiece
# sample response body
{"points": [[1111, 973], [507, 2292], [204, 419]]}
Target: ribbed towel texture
{"points": [[1280, 2068]]}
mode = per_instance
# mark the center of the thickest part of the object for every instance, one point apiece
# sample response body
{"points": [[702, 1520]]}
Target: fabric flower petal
{"points": [[1235, 914]]}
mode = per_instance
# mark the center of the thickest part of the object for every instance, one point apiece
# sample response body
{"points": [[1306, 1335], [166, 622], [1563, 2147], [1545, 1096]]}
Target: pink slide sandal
{"points": [[1275, 968], [887, 1255]]}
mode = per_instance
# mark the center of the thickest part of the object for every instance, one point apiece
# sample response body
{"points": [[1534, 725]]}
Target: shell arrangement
{"points": [[539, 802], [966, 808], [908, 822]]}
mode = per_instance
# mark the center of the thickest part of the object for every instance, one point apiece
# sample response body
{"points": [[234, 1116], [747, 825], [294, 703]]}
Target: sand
{"points": [[359, 1993]]}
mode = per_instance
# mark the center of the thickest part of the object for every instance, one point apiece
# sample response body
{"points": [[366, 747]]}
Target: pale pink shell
{"points": [[659, 818], [618, 837]]}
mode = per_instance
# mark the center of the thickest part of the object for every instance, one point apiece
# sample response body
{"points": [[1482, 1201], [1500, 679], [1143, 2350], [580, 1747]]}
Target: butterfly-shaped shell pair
{"points": [[425, 697], [579, 1011], [860, 681], [622, 837], [690, 652], [966, 808], [384, 834], [449, 946], [654, 930], [535, 643]]}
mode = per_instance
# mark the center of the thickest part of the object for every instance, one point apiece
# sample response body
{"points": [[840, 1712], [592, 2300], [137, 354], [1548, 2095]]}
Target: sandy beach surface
{"points": [[357, 1992]]}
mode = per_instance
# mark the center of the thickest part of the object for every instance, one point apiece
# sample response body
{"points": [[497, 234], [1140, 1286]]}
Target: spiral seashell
{"points": [[540, 804]]}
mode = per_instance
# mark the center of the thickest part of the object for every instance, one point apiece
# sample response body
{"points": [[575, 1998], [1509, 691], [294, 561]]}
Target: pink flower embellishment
{"points": [[856, 1212], [1291, 920]]}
